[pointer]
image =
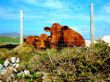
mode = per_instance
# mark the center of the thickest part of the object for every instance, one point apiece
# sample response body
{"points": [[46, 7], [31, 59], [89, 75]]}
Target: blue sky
{"points": [[41, 13]]}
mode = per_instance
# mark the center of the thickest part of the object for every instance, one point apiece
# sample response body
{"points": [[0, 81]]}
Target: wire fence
{"points": [[77, 18]]}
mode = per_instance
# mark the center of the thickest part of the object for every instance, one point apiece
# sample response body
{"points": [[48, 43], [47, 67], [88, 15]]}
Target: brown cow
{"points": [[42, 41], [64, 36], [30, 40]]}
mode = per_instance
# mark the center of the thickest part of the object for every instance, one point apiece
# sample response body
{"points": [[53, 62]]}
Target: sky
{"points": [[41, 13]]}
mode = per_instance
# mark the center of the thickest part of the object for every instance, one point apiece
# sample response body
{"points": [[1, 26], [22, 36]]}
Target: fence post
{"points": [[21, 26], [92, 24]]}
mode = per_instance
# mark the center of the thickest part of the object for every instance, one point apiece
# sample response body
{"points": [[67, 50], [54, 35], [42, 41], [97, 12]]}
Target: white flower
{"points": [[17, 60], [13, 59], [11, 64], [17, 65], [26, 72], [14, 65], [6, 63]]}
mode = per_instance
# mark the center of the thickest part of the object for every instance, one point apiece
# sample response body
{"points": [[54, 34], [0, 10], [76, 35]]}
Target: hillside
{"points": [[67, 65], [12, 34]]}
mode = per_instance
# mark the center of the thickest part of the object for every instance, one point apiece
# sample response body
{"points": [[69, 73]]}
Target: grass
{"points": [[8, 40], [66, 65]]}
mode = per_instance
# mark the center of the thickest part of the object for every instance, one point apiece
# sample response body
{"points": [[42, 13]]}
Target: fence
{"points": [[34, 22]]}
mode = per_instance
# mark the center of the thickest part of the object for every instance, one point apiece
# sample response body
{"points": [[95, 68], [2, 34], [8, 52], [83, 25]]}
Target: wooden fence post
{"points": [[92, 24], [21, 26]]}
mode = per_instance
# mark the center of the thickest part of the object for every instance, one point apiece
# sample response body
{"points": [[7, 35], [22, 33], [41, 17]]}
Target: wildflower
{"points": [[6, 63], [13, 59], [26, 72], [17, 65], [17, 60]]}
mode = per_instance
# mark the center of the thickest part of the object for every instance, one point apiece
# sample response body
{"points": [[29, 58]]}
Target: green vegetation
{"points": [[66, 65], [9, 40]]}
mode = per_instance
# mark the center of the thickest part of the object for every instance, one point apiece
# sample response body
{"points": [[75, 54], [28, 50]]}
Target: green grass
{"points": [[9, 40]]}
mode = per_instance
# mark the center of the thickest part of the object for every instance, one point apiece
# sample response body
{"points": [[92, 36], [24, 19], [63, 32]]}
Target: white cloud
{"points": [[106, 8], [106, 38], [75, 28], [56, 15], [104, 18], [82, 29], [8, 13], [53, 4], [30, 2]]}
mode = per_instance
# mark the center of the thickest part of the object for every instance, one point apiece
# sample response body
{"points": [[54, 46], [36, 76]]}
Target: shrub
{"points": [[66, 65]]}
